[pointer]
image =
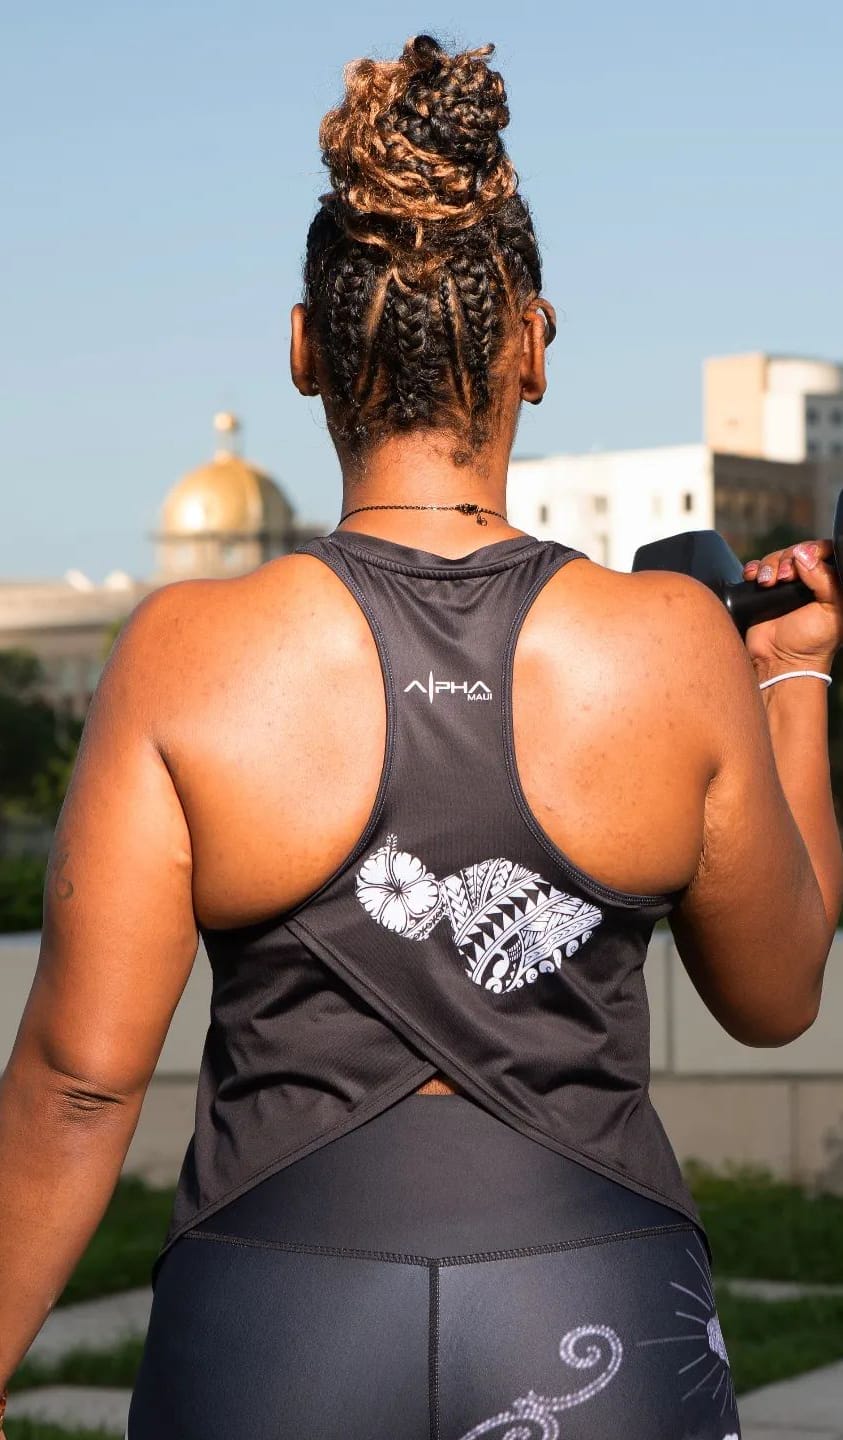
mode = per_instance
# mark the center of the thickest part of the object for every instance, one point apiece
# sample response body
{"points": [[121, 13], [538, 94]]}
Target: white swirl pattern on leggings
{"points": [[532, 1416]]}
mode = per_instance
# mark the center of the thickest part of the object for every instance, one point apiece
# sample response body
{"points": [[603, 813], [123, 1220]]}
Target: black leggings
{"points": [[435, 1275]]}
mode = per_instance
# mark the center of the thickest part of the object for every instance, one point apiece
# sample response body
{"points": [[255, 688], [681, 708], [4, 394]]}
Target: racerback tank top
{"points": [[455, 936]]}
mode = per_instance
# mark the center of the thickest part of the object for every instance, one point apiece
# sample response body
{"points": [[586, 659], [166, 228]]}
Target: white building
{"points": [[609, 503], [772, 456]]}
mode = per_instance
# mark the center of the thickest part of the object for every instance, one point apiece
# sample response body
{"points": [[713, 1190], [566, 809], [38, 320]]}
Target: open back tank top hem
{"points": [[379, 1102], [455, 937]]}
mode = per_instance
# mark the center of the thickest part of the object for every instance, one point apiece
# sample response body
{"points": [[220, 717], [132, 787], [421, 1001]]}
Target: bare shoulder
{"points": [[655, 647], [188, 634], [663, 613], [693, 629]]}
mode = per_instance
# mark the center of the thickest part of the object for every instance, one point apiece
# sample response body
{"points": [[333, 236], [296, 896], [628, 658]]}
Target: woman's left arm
{"points": [[118, 943]]}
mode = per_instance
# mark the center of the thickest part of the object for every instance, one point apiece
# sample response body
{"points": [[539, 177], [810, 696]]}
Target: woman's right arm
{"points": [[755, 926], [797, 716]]}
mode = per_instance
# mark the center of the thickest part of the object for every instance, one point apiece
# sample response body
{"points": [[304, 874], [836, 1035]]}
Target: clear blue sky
{"points": [[161, 167]]}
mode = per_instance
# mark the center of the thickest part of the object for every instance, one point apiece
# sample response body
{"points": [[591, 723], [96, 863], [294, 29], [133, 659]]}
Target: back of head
{"points": [[422, 256]]}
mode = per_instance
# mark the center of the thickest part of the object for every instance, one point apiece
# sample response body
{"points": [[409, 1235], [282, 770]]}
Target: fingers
{"points": [[784, 565]]}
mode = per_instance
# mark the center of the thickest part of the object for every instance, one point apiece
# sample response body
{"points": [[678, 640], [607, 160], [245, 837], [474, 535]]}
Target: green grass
{"points": [[115, 1368], [37, 1430], [763, 1229], [769, 1341], [21, 892], [121, 1252]]}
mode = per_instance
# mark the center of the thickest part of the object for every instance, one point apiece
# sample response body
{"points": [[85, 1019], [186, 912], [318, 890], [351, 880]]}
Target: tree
{"points": [[38, 744]]}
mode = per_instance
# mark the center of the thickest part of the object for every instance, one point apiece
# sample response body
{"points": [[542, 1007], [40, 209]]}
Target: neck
{"points": [[426, 469]]}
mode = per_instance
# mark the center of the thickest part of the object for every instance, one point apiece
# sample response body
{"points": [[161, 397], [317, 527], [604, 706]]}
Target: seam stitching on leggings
{"points": [[524, 1252], [433, 1352], [468, 1258], [294, 1247]]}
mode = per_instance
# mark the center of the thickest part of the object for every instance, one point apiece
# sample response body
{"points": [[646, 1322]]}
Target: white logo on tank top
{"points": [[478, 690]]}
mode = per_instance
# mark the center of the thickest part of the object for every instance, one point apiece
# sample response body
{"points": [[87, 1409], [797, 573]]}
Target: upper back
{"points": [[277, 740]]}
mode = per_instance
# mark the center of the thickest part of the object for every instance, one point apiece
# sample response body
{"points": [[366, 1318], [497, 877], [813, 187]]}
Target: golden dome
{"points": [[227, 496]]}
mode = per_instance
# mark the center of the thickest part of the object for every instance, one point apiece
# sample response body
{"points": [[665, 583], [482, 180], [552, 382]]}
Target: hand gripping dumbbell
{"points": [[705, 556]]}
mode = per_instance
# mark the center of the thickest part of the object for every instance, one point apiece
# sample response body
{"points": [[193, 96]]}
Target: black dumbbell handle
{"points": [[749, 603]]}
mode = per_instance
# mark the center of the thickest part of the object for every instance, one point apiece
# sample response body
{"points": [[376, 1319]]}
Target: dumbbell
{"points": [[705, 556]]}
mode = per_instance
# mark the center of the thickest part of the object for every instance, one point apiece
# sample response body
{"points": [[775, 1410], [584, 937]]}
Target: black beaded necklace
{"points": [[465, 508]]}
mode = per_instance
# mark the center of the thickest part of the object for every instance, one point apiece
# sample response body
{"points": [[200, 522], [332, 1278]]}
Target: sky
{"points": [[160, 167]]}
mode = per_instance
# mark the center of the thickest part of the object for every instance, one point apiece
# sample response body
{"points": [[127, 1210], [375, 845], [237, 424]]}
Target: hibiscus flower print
{"points": [[396, 890], [508, 923]]}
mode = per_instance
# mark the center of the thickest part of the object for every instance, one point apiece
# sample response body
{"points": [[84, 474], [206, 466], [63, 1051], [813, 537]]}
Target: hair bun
{"points": [[416, 141]]}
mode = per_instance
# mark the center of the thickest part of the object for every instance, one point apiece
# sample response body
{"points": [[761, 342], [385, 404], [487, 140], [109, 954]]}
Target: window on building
{"points": [[601, 503], [544, 514], [837, 448], [813, 448], [812, 415], [836, 417], [687, 501]]}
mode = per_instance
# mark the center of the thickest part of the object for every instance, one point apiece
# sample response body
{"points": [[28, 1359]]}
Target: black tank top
{"points": [[455, 936]]}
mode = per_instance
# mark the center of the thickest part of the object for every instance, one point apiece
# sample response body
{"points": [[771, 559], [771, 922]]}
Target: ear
{"points": [[538, 329], [301, 353]]}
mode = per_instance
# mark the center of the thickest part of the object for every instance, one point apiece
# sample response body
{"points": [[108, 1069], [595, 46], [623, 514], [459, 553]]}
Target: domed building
{"points": [[226, 517], [222, 519]]}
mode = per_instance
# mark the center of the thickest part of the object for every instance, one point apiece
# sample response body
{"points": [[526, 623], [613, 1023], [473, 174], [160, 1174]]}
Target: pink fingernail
{"points": [[807, 554]]}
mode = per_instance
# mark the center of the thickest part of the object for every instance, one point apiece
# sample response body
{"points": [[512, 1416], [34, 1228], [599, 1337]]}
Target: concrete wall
{"points": [[720, 1101]]}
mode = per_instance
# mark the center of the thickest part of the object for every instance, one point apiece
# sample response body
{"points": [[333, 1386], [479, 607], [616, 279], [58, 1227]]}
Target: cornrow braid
{"points": [[452, 331], [415, 371], [375, 327], [423, 250], [473, 280], [350, 292]]}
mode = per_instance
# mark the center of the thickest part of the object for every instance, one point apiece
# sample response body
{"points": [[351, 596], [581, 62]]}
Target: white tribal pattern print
{"points": [[509, 924]]}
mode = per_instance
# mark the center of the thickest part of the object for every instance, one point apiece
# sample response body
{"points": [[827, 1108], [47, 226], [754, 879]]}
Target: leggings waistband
{"points": [[435, 1175]]}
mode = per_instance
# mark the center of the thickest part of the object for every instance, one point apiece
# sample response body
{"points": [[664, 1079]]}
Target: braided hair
{"points": [[423, 254]]}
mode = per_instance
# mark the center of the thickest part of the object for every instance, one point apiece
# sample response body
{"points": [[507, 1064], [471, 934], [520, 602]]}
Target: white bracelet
{"points": [[788, 675]]}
